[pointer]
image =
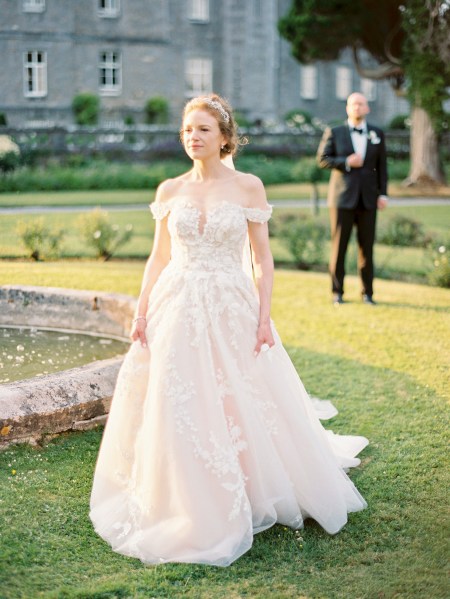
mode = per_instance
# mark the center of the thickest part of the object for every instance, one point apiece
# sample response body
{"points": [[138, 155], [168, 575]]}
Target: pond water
{"points": [[29, 352]]}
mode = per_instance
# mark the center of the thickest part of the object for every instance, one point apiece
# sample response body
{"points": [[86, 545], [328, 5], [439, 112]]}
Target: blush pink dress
{"points": [[206, 444]]}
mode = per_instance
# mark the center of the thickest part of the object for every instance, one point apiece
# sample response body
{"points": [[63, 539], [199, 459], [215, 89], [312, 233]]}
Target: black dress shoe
{"points": [[337, 299], [368, 299]]}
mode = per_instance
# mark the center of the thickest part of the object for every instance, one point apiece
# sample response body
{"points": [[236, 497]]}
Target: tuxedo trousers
{"points": [[342, 221]]}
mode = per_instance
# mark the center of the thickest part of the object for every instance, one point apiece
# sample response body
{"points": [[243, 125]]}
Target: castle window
{"points": [[199, 10], [109, 8], [33, 5], [110, 72], [343, 82], [369, 89], [308, 82], [35, 74], [198, 76]]}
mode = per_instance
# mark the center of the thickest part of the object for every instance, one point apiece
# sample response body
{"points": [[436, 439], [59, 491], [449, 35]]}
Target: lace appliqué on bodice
{"points": [[161, 209], [212, 241]]}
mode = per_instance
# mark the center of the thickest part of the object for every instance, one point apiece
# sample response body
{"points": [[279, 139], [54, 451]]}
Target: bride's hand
{"points": [[138, 330], [264, 336]]}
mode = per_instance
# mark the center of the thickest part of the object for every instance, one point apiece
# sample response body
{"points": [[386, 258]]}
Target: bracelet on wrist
{"points": [[139, 318]]}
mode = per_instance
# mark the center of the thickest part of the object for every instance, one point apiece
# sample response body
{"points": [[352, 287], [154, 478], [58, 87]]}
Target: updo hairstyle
{"points": [[221, 110]]}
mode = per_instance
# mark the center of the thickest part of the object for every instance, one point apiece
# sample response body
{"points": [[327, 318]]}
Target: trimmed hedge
{"points": [[96, 174]]}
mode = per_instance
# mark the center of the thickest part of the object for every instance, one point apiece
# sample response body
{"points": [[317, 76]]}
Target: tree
{"points": [[408, 40]]}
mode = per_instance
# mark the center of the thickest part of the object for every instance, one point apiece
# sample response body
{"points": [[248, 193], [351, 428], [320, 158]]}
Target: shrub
{"points": [[39, 239], [9, 154], [100, 234], [157, 111], [305, 238], [400, 121], [440, 266], [3, 121], [9, 161], [281, 221], [100, 174], [398, 169], [307, 170], [303, 121], [403, 231], [297, 118], [241, 119], [269, 170], [86, 108]]}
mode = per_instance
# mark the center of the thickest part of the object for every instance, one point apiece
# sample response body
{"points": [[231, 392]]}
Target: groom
{"points": [[356, 154]]}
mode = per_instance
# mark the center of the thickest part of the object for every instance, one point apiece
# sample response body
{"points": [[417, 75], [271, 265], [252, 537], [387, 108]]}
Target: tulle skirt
{"points": [[207, 444]]}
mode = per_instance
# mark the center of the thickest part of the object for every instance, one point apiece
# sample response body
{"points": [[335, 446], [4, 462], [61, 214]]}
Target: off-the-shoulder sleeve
{"points": [[257, 215], [159, 210]]}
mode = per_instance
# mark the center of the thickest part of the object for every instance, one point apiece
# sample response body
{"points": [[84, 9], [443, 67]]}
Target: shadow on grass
{"points": [[51, 550]]}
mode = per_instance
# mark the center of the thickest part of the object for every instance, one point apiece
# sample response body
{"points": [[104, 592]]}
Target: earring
{"points": [[222, 147]]}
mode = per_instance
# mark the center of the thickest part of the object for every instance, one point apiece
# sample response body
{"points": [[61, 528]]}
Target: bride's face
{"points": [[202, 137]]}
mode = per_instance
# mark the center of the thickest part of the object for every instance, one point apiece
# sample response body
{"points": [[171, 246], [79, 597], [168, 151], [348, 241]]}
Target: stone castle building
{"points": [[127, 51]]}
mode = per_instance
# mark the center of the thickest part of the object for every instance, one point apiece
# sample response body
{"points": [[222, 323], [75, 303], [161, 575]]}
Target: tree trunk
{"points": [[426, 167]]}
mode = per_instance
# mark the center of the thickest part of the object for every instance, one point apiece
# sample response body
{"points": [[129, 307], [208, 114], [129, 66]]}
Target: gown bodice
{"points": [[211, 241]]}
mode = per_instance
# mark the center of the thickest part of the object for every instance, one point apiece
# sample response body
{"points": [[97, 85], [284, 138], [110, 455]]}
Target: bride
{"points": [[211, 436]]}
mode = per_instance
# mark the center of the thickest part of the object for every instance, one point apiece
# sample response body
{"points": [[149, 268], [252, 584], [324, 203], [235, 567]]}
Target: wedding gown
{"points": [[206, 444]]}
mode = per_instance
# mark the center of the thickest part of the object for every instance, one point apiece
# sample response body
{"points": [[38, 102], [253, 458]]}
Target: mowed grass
{"points": [[300, 191], [406, 263], [74, 243], [111, 197], [385, 368]]}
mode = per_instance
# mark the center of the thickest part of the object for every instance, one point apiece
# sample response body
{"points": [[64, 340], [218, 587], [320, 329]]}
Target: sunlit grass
{"points": [[409, 263], [296, 191], [385, 368]]}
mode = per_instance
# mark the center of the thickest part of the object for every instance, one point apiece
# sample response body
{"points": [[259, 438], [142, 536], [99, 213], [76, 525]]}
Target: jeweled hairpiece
{"points": [[218, 106]]}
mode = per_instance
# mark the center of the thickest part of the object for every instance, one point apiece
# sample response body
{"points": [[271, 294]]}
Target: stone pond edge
{"points": [[74, 399]]}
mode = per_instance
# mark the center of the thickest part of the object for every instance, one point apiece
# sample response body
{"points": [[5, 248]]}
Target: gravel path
{"points": [[289, 203]]}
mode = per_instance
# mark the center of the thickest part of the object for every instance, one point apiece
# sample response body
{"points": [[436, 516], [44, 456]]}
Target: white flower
{"points": [[97, 234], [373, 138], [298, 118], [441, 249]]}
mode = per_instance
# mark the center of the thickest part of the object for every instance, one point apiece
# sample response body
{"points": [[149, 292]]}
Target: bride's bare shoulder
{"points": [[253, 190], [169, 188], [248, 180]]}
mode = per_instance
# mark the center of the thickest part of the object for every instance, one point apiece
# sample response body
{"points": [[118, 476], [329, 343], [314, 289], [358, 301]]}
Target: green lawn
{"points": [[74, 244], [408, 263], [78, 198], [386, 369], [129, 196], [144, 196]]}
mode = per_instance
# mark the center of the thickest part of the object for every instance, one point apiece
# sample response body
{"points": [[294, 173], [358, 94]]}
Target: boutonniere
{"points": [[373, 138]]}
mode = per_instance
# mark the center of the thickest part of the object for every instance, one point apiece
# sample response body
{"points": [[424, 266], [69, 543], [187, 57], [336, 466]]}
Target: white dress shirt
{"points": [[359, 140]]}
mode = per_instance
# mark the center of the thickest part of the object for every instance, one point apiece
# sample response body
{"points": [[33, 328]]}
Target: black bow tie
{"points": [[361, 131]]}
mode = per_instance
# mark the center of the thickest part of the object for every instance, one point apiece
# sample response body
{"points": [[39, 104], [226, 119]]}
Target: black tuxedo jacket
{"points": [[347, 186]]}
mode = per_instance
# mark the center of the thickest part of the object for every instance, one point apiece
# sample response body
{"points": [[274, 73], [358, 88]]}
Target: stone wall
{"points": [[251, 65]]}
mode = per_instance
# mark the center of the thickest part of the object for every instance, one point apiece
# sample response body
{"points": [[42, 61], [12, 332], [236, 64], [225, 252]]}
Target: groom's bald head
{"points": [[357, 107]]}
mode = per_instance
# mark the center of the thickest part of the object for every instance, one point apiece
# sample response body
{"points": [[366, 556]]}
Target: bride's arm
{"points": [[157, 261], [262, 264]]}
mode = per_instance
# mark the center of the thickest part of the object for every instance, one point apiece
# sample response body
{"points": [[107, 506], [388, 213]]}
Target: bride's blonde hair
{"points": [[221, 110]]}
